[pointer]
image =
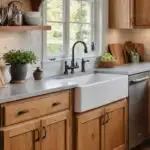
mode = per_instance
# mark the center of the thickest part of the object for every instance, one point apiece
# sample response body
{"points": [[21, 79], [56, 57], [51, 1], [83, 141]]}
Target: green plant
{"points": [[133, 53], [105, 57], [20, 57]]}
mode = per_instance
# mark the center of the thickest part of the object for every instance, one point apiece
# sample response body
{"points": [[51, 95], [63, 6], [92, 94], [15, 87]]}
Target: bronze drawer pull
{"points": [[107, 119], [103, 120], [21, 112], [44, 132], [56, 104], [38, 135]]}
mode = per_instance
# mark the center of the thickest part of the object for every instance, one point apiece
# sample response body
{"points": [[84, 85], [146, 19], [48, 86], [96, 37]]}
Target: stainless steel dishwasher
{"points": [[138, 108]]}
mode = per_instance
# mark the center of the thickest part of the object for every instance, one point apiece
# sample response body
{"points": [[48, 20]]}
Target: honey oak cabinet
{"points": [[126, 14], [104, 128], [90, 130], [116, 126], [24, 136], [56, 133], [49, 133], [38, 123]]}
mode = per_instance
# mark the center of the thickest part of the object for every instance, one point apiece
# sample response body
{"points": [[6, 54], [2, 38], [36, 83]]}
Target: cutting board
{"points": [[117, 50]]}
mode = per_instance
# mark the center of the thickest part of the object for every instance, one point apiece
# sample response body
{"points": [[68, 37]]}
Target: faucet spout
{"points": [[73, 54]]}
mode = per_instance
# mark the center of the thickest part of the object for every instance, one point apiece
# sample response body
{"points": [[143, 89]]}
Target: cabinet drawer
{"points": [[16, 112]]}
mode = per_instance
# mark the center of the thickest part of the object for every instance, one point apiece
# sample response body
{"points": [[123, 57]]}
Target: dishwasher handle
{"points": [[140, 79]]}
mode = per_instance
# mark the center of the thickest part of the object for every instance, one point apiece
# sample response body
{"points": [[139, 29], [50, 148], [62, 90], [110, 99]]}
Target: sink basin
{"points": [[95, 90]]}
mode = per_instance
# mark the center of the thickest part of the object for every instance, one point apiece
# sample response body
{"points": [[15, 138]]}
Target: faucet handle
{"points": [[66, 68]]}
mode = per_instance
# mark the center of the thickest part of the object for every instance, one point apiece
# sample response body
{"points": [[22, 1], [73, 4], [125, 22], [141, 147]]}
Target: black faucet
{"points": [[73, 65]]}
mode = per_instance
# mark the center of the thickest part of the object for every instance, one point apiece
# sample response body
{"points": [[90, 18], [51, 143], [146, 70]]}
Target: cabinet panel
{"points": [[120, 13], [90, 130], [116, 126], [89, 135], [141, 12], [56, 133], [21, 137]]}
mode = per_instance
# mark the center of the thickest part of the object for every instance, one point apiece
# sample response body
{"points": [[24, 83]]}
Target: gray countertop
{"points": [[127, 69], [30, 88]]}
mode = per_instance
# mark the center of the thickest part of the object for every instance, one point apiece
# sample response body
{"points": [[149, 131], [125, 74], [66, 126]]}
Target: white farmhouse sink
{"points": [[95, 90]]}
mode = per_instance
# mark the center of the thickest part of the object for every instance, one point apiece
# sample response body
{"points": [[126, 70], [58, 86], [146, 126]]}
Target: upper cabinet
{"points": [[128, 14]]}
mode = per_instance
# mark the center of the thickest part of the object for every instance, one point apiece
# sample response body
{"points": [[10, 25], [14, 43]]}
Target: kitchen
{"points": [[67, 103]]}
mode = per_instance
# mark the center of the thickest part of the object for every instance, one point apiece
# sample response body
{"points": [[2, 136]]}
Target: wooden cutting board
{"points": [[117, 50]]}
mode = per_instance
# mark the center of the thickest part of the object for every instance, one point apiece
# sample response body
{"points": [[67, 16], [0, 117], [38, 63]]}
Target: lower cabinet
{"points": [[48, 133], [104, 128], [21, 137], [90, 130], [56, 133]]}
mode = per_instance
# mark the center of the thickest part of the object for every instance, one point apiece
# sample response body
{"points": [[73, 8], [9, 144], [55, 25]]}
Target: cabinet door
{"points": [[90, 130], [120, 14], [141, 12], [21, 137], [56, 132], [116, 126]]}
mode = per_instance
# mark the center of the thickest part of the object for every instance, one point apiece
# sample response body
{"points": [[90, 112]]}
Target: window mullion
{"points": [[92, 21], [66, 16]]}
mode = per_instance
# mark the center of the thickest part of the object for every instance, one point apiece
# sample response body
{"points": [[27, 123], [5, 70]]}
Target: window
{"points": [[71, 20]]}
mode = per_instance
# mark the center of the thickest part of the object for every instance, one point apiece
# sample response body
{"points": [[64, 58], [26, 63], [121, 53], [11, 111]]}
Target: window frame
{"points": [[97, 34]]}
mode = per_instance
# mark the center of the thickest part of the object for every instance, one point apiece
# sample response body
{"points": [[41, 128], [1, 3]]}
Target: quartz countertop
{"points": [[30, 88], [127, 69]]}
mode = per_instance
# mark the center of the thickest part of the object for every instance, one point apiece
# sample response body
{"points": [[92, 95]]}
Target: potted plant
{"points": [[134, 56], [19, 60]]}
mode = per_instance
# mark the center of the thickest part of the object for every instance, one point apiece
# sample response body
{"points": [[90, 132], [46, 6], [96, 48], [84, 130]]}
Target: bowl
{"points": [[32, 18], [107, 64]]}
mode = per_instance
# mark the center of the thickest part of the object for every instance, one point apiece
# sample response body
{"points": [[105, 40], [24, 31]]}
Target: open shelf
{"points": [[24, 28]]}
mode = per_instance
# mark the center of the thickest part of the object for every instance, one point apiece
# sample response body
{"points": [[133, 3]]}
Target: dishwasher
{"points": [[138, 108]]}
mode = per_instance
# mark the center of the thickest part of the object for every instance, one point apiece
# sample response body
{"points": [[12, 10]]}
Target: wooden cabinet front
{"points": [[116, 126], [104, 128], [127, 14], [90, 130], [141, 13], [21, 137], [56, 132]]}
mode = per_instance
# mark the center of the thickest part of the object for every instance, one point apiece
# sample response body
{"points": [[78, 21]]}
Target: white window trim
{"points": [[98, 34]]}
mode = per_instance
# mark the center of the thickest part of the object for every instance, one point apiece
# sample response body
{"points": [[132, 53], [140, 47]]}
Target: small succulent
{"points": [[19, 57]]}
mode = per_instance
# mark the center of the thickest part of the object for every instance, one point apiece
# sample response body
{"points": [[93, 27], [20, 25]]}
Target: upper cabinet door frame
{"points": [[129, 14], [120, 14], [141, 13]]}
